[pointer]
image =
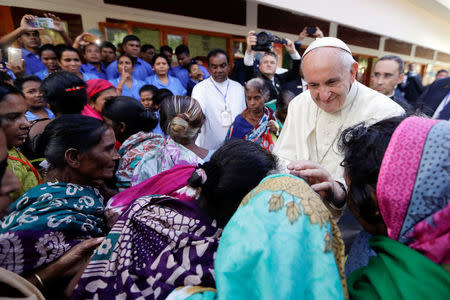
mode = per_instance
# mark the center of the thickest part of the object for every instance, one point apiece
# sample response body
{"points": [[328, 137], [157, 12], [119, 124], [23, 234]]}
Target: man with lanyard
{"points": [[221, 99]]}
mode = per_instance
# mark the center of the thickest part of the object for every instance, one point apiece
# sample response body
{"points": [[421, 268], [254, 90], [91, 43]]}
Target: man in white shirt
{"points": [[317, 117], [221, 99]]}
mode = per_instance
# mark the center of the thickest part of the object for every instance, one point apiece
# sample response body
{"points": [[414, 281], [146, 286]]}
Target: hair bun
{"points": [[178, 126]]}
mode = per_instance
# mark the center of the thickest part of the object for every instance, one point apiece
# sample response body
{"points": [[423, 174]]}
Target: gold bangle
{"points": [[39, 279]]}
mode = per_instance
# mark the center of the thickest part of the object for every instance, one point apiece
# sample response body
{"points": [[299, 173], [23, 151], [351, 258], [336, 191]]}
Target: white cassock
{"points": [[309, 133], [211, 96]]}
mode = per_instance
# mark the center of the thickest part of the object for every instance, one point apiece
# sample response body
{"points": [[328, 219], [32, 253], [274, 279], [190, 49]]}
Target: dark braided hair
{"points": [[233, 171], [364, 149]]}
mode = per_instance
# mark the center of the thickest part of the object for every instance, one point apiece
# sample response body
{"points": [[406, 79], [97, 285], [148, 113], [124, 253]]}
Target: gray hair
{"points": [[260, 85], [398, 60]]}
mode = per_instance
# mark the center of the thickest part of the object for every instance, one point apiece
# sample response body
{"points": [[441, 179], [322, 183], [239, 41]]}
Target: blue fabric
{"points": [[30, 116], [432, 184], [133, 91], [359, 254], [42, 74], [88, 76], [33, 63], [142, 70], [279, 244], [88, 68], [174, 85], [183, 74], [158, 128], [240, 128]]}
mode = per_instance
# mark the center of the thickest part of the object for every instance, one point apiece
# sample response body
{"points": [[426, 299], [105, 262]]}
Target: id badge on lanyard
{"points": [[225, 116]]}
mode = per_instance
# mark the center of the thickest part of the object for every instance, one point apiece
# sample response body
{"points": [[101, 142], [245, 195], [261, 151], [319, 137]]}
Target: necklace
{"points": [[339, 131]]}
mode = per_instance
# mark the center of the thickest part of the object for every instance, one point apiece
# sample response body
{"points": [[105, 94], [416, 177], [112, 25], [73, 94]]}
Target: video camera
{"points": [[265, 40]]}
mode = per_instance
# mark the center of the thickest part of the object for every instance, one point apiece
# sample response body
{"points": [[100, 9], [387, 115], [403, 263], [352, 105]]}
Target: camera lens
{"points": [[263, 38]]}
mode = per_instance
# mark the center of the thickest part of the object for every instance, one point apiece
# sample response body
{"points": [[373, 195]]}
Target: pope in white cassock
{"points": [[317, 117]]}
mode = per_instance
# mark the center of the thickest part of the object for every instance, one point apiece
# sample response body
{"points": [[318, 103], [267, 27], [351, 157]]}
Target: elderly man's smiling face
{"points": [[329, 74]]}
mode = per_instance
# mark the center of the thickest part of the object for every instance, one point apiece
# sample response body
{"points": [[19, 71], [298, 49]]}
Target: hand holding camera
{"points": [[263, 41], [314, 32]]}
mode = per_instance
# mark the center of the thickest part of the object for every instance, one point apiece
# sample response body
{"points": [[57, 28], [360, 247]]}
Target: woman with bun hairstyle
{"points": [[181, 120], [132, 125], [161, 242]]}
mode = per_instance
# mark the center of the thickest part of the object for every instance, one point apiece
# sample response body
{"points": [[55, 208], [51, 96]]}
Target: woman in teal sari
{"points": [[280, 244], [405, 207]]}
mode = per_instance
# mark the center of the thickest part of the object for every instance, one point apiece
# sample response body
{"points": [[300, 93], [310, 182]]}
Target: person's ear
{"points": [[121, 127], [353, 71], [401, 78], [72, 157]]}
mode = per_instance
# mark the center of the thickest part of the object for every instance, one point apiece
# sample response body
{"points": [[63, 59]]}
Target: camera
{"points": [[311, 30], [265, 40]]}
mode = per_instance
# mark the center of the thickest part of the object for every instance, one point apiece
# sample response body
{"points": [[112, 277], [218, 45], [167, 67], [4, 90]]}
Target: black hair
{"points": [[189, 66], [147, 47], [64, 92], [160, 95], [61, 50], [19, 82], [46, 47], [132, 113], [69, 131], [216, 51], [108, 45], [5, 77], [233, 170], [148, 88], [364, 149], [442, 71], [282, 97], [165, 48], [7, 89], [133, 59], [158, 56], [182, 49], [398, 60], [197, 58], [130, 38]]}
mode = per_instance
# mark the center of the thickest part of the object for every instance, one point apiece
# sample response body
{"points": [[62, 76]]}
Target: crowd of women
{"points": [[104, 196]]}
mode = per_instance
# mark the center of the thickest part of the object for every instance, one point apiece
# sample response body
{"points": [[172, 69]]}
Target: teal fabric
{"points": [[278, 245]]}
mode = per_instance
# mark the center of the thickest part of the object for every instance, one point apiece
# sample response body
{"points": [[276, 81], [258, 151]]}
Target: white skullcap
{"points": [[327, 42]]}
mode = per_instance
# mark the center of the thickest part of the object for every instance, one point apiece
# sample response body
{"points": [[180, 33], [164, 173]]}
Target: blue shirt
{"points": [[33, 63], [30, 116], [88, 76], [174, 85], [42, 74], [183, 74], [158, 129], [88, 68], [142, 69], [133, 91]]}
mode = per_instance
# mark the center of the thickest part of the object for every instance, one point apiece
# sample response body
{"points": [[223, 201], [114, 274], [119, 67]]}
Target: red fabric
{"points": [[90, 112], [95, 86]]}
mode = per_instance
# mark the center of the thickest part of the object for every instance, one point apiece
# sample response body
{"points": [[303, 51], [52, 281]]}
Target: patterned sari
{"points": [[46, 222], [131, 152], [162, 158], [282, 243], [159, 243], [242, 129], [413, 191]]}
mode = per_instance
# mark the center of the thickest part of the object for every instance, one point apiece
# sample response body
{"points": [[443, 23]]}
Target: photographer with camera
{"points": [[263, 41]]}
